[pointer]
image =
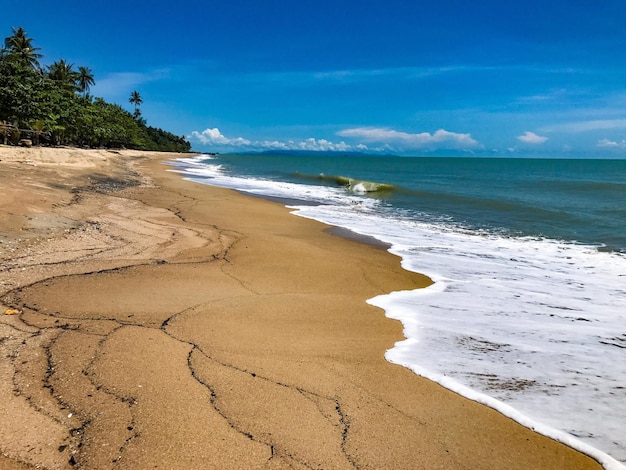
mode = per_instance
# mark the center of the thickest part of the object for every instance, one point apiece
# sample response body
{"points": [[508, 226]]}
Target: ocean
{"points": [[527, 312]]}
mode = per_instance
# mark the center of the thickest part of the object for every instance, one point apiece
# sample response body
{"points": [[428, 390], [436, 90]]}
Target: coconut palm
{"points": [[64, 73], [18, 38], [85, 79], [20, 46], [136, 99]]}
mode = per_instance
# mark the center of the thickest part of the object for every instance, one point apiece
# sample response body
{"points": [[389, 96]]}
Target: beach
{"points": [[163, 323]]}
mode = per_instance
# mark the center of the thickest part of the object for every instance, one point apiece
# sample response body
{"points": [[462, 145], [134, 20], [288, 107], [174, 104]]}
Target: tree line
{"points": [[52, 105]]}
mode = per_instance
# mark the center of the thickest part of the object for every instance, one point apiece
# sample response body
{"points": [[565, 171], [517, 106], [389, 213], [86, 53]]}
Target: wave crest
{"points": [[351, 184]]}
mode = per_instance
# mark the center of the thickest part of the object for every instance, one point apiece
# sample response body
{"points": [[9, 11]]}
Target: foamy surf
{"points": [[403, 354]]}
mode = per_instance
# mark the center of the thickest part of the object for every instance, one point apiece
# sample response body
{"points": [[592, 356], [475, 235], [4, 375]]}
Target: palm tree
{"points": [[18, 38], [85, 79], [64, 73], [20, 46], [135, 98]]}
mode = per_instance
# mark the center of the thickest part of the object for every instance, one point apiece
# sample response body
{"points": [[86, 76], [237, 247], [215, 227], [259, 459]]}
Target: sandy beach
{"points": [[160, 323]]}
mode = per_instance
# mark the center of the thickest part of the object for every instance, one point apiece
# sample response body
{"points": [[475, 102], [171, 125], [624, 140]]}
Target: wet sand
{"points": [[167, 324]]}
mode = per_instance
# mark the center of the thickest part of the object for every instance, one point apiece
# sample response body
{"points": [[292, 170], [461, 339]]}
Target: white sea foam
{"points": [[195, 169], [531, 327], [537, 326]]}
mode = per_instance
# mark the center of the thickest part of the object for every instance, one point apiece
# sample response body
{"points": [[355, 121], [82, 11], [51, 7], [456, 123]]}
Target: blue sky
{"points": [[494, 78]]}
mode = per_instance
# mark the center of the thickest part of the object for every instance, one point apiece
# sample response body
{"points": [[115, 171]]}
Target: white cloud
{"points": [[384, 140], [216, 138], [441, 138], [606, 143], [323, 145], [531, 138]]}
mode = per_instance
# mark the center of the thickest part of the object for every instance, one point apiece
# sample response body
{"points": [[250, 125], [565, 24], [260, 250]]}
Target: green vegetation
{"points": [[52, 105]]}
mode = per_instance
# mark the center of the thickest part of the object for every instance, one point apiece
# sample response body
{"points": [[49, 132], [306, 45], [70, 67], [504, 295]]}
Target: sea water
{"points": [[527, 312]]}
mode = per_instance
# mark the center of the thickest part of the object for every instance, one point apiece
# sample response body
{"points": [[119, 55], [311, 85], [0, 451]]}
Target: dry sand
{"points": [[166, 324]]}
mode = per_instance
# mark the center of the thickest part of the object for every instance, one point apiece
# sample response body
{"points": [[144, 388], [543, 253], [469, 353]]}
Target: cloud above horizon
{"points": [[531, 138], [606, 143], [215, 137], [440, 139], [365, 140]]}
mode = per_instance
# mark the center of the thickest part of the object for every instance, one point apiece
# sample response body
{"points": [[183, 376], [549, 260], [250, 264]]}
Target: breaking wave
{"points": [[351, 184]]}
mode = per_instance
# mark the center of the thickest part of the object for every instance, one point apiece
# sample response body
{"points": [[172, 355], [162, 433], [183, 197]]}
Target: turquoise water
{"points": [[527, 312], [576, 200]]}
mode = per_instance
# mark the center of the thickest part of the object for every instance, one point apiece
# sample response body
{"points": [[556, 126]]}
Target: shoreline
{"points": [[186, 325], [405, 353]]}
